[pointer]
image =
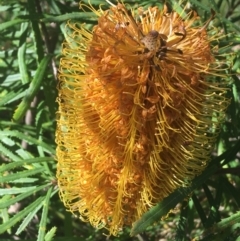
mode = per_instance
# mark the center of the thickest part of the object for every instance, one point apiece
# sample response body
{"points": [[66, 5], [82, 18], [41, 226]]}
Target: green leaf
{"points": [[85, 16], [219, 193], [23, 69], [25, 180], [5, 217], [33, 89], [12, 165], [4, 26], [20, 215], [15, 190], [224, 224], [168, 203], [50, 234], [200, 210], [11, 177], [233, 191], [38, 37], [214, 215], [183, 222], [6, 152], [28, 139], [33, 190], [13, 95], [30, 216], [43, 222]]}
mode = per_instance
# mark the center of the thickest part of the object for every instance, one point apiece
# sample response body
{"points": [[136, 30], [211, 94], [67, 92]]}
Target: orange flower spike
{"points": [[139, 112]]}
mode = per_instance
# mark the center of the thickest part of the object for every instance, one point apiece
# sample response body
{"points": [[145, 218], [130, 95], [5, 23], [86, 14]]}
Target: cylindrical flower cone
{"points": [[139, 112]]}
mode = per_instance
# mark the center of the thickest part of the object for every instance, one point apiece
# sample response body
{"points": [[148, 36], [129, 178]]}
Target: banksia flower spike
{"points": [[139, 111]]}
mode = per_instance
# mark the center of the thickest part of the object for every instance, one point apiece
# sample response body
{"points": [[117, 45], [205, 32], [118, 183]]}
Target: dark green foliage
{"points": [[30, 209]]}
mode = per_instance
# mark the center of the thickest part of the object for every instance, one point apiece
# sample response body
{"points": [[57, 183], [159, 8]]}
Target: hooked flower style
{"points": [[139, 111]]}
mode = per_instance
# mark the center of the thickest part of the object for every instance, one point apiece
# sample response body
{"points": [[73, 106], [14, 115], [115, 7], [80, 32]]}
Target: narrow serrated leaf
{"points": [[26, 173], [223, 224], [20, 215], [38, 38], [43, 222], [31, 215], [50, 234], [168, 203], [200, 210], [183, 222], [233, 191], [6, 152], [12, 165], [15, 190], [5, 217], [33, 190], [28, 219], [12, 96], [208, 195], [25, 180], [28, 139], [11, 23], [32, 90], [85, 16], [201, 5], [21, 55]]}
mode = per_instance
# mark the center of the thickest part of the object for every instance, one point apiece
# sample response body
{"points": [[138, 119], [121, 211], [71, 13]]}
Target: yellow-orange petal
{"points": [[139, 112]]}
